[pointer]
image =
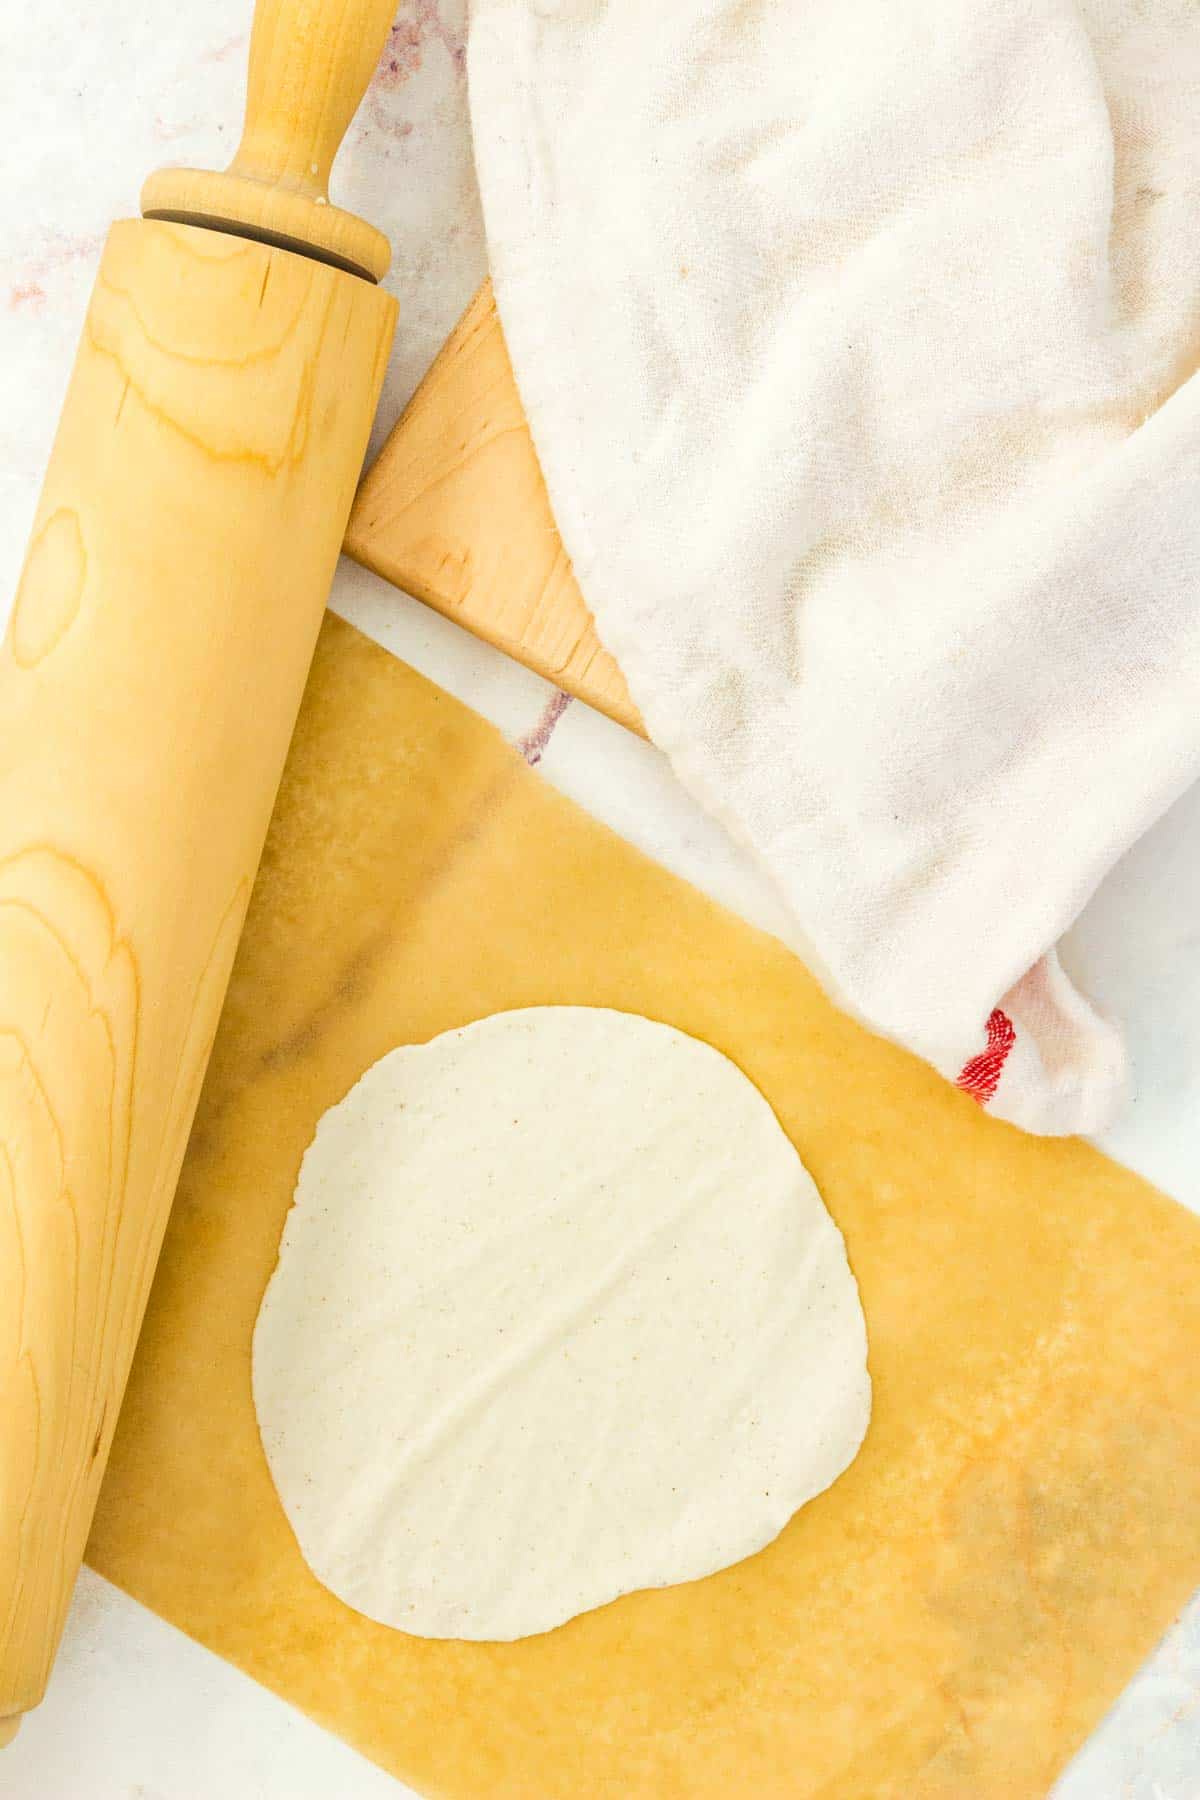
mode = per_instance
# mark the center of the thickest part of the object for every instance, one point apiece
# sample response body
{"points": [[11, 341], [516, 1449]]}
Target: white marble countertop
{"points": [[92, 100]]}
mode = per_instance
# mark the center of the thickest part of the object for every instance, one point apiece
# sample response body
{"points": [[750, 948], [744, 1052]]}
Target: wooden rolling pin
{"points": [[182, 552]]}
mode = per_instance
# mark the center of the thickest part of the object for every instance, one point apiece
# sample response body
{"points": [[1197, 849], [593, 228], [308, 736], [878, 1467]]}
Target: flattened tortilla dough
{"points": [[558, 1314]]}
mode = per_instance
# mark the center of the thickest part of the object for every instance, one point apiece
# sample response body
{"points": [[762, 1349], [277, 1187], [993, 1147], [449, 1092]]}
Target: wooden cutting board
{"points": [[952, 1617], [455, 511]]}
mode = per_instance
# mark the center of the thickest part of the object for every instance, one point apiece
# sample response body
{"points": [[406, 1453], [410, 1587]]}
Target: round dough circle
{"points": [[558, 1313]]}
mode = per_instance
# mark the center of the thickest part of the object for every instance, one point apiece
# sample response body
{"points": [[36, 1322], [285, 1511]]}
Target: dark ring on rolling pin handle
{"points": [[277, 240]]}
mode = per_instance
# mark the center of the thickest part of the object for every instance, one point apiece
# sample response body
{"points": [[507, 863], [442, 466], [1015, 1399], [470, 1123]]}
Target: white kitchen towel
{"points": [[859, 345]]}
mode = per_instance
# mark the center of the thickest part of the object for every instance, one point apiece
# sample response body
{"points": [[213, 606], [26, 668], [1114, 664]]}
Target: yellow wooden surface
{"points": [[949, 1620], [455, 511], [159, 641], [310, 62]]}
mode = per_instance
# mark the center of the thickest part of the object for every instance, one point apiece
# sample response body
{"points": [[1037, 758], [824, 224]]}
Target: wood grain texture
{"points": [[310, 62], [180, 561], [455, 511]]}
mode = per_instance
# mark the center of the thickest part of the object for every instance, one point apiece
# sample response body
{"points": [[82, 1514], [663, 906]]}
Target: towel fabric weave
{"points": [[859, 347]]}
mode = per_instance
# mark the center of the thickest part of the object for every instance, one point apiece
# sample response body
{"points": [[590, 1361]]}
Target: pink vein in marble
{"points": [[59, 253], [420, 22], [534, 743]]}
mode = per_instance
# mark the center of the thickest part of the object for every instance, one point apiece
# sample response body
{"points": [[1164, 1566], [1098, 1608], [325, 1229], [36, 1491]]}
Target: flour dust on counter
{"points": [[558, 1314]]}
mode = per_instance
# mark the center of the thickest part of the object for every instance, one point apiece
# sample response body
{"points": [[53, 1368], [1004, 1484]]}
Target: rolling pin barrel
{"points": [[181, 556]]}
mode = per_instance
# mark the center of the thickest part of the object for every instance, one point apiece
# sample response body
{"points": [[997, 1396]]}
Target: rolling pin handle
{"points": [[310, 65]]}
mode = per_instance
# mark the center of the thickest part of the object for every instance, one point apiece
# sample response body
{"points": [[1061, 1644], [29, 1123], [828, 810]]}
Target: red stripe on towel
{"points": [[980, 1077]]}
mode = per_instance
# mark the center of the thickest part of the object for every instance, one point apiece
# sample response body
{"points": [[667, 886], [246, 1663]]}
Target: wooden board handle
{"points": [[310, 63], [455, 511]]}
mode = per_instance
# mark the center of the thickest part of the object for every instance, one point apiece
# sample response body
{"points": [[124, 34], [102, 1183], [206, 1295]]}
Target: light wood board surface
{"points": [[455, 511], [954, 1615]]}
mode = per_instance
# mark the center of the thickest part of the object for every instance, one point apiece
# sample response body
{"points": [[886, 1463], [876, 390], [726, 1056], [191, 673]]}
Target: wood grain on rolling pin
{"points": [[455, 511], [160, 636]]}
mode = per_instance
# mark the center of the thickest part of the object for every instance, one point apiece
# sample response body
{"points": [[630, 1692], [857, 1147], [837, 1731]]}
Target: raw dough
{"points": [[558, 1314]]}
